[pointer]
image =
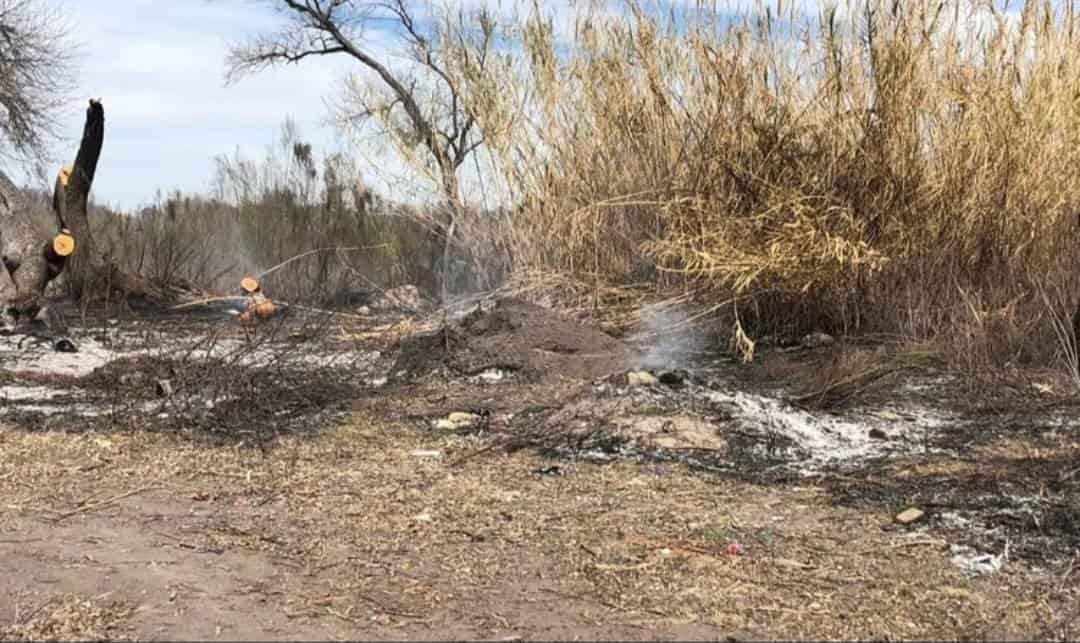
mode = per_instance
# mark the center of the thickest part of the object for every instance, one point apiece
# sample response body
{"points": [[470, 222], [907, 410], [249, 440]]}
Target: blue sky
{"points": [[158, 66]]}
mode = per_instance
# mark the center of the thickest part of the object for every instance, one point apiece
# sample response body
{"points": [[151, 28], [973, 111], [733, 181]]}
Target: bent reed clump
{"points": [[904, 168]]}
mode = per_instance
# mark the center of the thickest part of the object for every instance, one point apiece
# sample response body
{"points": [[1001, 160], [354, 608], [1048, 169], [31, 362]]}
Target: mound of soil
{"points": [[516, 336]]}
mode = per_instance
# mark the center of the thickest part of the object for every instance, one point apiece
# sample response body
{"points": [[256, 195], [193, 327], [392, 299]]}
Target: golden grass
{"points": [[906, 168]]}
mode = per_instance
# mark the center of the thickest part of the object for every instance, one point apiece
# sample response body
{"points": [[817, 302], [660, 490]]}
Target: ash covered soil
{"points": [[508, 473]]}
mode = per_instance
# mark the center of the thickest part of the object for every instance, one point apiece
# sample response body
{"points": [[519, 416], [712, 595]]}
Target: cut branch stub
{"points": [[63, 244], [63, 177]]}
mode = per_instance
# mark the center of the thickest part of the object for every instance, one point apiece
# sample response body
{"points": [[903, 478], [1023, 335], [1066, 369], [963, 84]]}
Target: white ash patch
{"points": [[17, 393], [826, 439], [39, 358], [682, 412], [46, 400]]}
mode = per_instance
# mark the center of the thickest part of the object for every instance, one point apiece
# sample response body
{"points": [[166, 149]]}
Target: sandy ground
{"points": [[372, 522]]}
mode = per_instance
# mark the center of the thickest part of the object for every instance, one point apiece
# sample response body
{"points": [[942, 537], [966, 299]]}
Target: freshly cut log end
{"points": [[249, 285], [64, 176], [63, 244], [259, 307]]}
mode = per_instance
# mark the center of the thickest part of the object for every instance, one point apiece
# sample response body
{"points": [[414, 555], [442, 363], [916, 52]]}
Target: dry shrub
{"points": [[268, 211], [908, 168]]}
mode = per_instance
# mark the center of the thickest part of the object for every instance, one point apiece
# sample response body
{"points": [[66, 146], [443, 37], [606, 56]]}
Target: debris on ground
{"points": [[910, 515], [458, 420], [405, 298], [516, 336], [818, 340], [256, 304], [427, 453], [164, 388], [975, 564], [640, 378]]}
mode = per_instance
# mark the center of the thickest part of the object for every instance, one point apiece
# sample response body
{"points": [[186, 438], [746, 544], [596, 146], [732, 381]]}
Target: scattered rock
{"points": [[458, 420], [878, 434], [640, 378], [908, 516]]}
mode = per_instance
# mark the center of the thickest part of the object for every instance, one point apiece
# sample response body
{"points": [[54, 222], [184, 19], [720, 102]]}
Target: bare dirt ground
{"points": [[304, 482]]}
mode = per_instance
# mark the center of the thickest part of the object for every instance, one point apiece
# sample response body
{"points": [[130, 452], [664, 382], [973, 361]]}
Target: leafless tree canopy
{"points": [[36, 72], [444, 125]]}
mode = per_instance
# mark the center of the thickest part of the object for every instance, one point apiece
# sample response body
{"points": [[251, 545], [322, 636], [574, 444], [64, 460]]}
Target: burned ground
{"points": [[290, 483], [516, 337]]}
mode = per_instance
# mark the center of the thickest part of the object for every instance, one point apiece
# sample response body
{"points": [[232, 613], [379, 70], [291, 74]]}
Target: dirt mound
{"points": [[512, 335]]}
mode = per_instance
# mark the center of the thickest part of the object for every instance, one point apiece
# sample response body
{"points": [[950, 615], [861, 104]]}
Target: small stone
{"points": [[424, 517], [640, 378], [878, 434], [164, 388], [65, 345], [908, 516]]}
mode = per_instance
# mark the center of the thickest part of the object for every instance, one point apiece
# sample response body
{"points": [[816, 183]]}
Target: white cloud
{"points": [[159, 68]]}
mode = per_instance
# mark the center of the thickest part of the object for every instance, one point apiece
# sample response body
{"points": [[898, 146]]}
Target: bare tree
{"points": [[443, 125], [36, 73]]}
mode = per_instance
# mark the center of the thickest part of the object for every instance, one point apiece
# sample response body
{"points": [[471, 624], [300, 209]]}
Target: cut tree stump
{"points": [[31, 260]]}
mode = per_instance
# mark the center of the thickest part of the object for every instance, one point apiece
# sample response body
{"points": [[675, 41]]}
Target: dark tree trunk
{"points": [[90, 273], [71, 199]]}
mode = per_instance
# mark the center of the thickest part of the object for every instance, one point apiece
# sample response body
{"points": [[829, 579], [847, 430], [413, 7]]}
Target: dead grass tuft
{"points": [[906, 168]]}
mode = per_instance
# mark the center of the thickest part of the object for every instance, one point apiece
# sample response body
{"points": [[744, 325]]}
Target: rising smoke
{"points": [[669, 339]]}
